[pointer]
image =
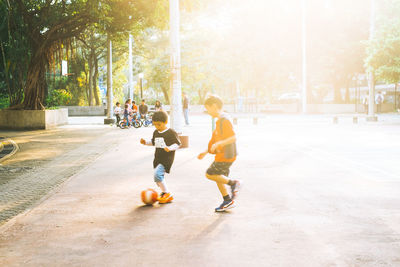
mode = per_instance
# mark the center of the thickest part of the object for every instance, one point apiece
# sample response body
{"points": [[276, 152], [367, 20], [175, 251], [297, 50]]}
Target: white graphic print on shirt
{"points": [[159, 142]]}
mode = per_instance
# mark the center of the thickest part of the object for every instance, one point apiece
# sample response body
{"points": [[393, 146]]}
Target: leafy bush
{"points": [[4, 102], [59, 97]]}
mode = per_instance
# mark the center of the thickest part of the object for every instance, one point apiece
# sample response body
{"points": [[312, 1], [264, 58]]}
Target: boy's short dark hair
{"points": [[213, 99], [160, 116], [117, 103], [126, 105], [133, 102]]}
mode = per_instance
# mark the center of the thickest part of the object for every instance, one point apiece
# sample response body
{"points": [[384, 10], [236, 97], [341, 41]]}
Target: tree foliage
{"points": [[44, 27], [383, 50]]}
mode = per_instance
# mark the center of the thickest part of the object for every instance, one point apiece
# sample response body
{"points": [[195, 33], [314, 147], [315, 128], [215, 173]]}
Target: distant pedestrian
{"points": [[166, 142], [118, 112], [379, 101], [365, 102], [143, 109], [185, 107], [223, 145], [158, 106]]}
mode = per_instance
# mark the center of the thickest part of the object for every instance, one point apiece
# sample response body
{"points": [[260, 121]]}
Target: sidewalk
{"points": [[315, 194], [45, 159]]}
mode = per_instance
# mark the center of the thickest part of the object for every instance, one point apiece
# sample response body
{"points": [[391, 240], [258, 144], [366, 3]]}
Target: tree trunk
{"points": [[86, 91], [336, 93], [95, 77], [202, 95], [166, 96], [347, 98], [35, 86], [90, 63]]}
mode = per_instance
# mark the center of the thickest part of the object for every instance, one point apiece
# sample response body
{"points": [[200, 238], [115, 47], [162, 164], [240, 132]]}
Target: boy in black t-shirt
{"points": [[166, 142]]}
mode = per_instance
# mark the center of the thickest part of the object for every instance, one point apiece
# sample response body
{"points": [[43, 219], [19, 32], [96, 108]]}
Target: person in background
{"points": [[134, 107], [143, 109], [129, 102], [365, 101], [379, 101], [127, 111], [158, 106], [185, 108], [118, 112]]}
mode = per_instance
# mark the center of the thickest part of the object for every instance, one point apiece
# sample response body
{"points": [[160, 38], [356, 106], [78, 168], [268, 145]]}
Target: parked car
{"points": [[289, 98]]}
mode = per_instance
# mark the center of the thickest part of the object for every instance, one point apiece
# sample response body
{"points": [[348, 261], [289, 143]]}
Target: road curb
{"points": [[7, 148]]}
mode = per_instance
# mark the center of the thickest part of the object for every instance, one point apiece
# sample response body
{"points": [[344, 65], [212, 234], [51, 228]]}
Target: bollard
{"points": [[235, 121], [355, 120], [335, 120], [372, 118], [255, 120]]}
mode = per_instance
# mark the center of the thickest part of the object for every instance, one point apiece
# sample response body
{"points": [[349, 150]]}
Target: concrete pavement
{"points": [[46, 159], [315, 194]]}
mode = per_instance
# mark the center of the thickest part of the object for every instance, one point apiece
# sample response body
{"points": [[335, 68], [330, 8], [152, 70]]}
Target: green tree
{"points": [[48, 25], [13, 44], [383, 51]]}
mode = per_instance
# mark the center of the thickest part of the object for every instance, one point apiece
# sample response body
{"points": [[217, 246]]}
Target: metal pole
{"points": [[304, 43], [141, 88], [371, 80], [109, 118], [175, 65], [355, 94], [395, 97], [130, 90]]}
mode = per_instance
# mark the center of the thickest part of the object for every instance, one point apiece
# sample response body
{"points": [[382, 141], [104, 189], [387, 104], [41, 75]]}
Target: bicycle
{"points": [[132, 120], [146, 120]]}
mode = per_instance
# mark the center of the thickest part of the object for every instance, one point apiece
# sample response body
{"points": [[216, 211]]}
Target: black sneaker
{"points": [[226, 205], [235, 188]]}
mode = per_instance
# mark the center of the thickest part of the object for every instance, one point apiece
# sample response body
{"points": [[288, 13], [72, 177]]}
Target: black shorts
{"points": [[219, 168]]}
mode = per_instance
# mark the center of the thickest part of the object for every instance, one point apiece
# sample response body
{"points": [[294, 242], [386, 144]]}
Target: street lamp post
{"points": [[354, 79], [175, 66], [130, 90], [109, 118], [371, 81], [141, 85], [304, 56]]}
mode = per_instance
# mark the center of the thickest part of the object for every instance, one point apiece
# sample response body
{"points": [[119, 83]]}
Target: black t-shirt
{"points": [[143, 109], [161, 140]]}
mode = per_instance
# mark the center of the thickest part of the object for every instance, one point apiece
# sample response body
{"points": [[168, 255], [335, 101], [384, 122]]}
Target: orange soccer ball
{"points": [[149, 196]]}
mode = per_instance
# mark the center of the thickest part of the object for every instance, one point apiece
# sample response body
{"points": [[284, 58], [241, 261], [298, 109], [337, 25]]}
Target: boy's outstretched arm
{"points": [[202, 154], [144, 142]]}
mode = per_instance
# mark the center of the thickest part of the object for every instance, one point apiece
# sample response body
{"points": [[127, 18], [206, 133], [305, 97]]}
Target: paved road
{"points": [[315, 194]]}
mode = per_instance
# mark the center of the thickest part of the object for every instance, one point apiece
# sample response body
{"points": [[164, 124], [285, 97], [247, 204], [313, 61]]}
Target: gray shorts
{"points": [[219, 168]]}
